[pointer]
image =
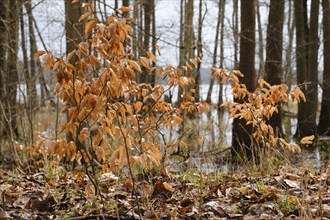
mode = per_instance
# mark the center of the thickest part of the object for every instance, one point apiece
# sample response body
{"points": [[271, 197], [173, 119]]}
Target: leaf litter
{"points": [[289, 194]]}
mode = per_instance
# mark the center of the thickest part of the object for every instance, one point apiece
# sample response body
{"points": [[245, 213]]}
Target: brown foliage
{"points": [[101, 94]]}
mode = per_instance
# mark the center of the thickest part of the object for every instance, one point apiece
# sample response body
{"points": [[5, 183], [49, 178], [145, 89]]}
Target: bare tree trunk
{"points": [[126, 4], [242, 144], [215, 52], [74, 33], [3, 52], [182, 56], [146, 41], [73, 28], [222, 57], [189, 29], [25, 60], [324, 122], [288, 54], [261, 72], [312, 71], [199, 51], [135, 43], [152, 80], [274, 50], [12, 74], [306, 123], [33, 78], [235, 30]]}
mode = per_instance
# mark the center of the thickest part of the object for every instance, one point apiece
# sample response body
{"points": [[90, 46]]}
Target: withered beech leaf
{"points": [[84, 16], [144, 62], [135, 66], [151, 56], [38, 54], [157, 48], [307, 140], [90, 25], [125, 9]]}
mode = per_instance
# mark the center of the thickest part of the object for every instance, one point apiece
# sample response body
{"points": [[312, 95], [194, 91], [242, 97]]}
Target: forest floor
{"points": [[288, 193]]}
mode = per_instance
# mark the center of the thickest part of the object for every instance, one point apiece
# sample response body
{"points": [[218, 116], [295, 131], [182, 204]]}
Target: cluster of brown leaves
{"points": [[113, 119], [257, 107], [290, 193]]}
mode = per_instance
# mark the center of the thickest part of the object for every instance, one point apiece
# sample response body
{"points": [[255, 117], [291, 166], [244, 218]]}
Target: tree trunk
{"points": [[199, 51], [222, 57], [288, 53], [146, 35], [324, 123], [189, 30], [3, 41], [306, 123], [152, 80], [126, 4], [235, 33], [312, 71], [242, 143], [261, 72], [33, 49], [135, 43], [12, 63], [215, 52], [74, 29], [273, 66], [74, 34], [182, 56]]}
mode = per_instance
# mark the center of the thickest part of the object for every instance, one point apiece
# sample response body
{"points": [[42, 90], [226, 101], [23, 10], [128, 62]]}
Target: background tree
{"points": [[73, 28], [219, 30], [199, 50], [242, 133], [261, 71], [273, 66], [305, 56], [3, 10], [33, 49], [74, 32], [324, 122], [186, 34], [215, 51], [11, 74]]}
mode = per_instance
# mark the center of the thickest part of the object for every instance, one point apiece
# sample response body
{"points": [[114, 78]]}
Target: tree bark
{"points": [[12, 64], [74, 34], [3, 41], [215, 52], [242, 144], [222, 57], [261, 72], [273, 66], [74, 29], [288, 54], [324, 123], [33, 49], [199, 51], [306, 112]]}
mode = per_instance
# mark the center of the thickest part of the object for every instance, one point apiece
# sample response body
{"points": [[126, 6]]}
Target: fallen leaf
{"points": [[291, 183]]}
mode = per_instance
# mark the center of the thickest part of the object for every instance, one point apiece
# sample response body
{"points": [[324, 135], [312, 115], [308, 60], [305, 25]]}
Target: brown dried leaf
{"points": [[135, 66], [151, 56], [157, 48], [90, 25], [84, 16], [144, 62], [38, 54], [125, 9], [307, 140]]}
